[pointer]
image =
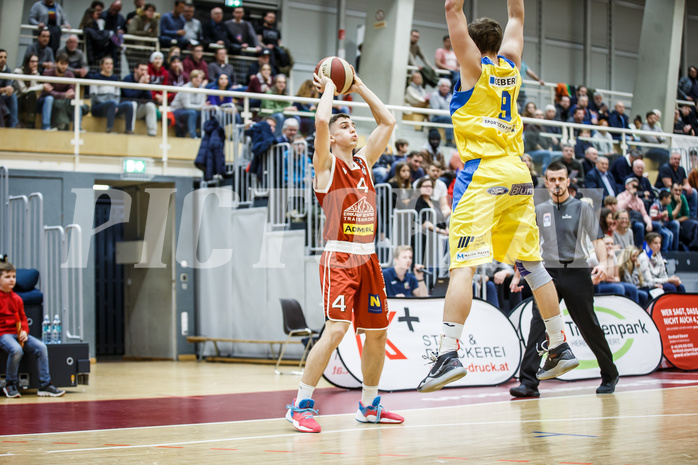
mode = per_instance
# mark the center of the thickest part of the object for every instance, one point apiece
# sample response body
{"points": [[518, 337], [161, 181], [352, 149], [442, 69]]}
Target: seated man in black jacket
{"points": [[145, 108], [215, 34]]}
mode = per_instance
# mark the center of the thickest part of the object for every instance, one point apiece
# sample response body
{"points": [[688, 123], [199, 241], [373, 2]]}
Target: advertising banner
{"points": [[676, 316], [490, 348], [630, 332]]}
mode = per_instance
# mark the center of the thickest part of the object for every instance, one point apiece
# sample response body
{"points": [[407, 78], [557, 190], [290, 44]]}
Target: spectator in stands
{"points": [[220, 66], [659, 213], [445, 58], [196, 61], [680, 127], [613, 284], [583, 142], [289, 130], [263, 58], [142, 99], [623, 235], [439, 194], [591, 156], [606, 222], [98, 6], [222, 83], [138, 5], [623, 167], [192, 26], [415, 93], [401, 184], [578, 118], [296, 171], [655, 153], [28, 91], [77, 64], [414, 161], [611, 203], [583, 103], [242, 31], [146, 22], [7, 92], [640, 221], [416, 52], [574, 167], [600, 178], [399, 281], [688, 85], [629, 272], [689, 118], [653, 267], [270, 37], [678, 210], [603, 140], [598, 106], [47, 14], [172, 27], [645, 191], [431, 150], [618, 118], [187, 106], [55, 103], [277, 107], [216, 36], [41, 49], [260, 83], [563, 109], [174, 52], [526, 72], [673, 173], [97, 40], [307, 123], [538, 146], [158, 75], [175, 76], [693, 175], [440, 99], [529, 110], [437, 225], [531, 168], [106, 98], [114, 21]]}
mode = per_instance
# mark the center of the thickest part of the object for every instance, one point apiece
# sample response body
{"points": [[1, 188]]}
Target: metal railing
{"points": [[4, 207], [18, 227]]}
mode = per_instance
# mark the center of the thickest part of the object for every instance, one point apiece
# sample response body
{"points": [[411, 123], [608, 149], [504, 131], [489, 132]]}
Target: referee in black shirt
{"points": [[564, 222]]}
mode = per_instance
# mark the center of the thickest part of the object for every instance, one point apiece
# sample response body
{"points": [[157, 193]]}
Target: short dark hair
{"points": [[647, 115], [487, 35], [337, 116], [422, 180], [62, 58], [44, 29], [140, 63], [148, 6], [664, 194], [104, 58], [414, 153], [651, 236], [3, 50], [5, 266], [445, 37], [400, 143], [556, 166]]}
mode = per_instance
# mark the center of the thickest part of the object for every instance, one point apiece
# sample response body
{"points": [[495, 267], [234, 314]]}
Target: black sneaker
{"points": [[447, 368], [524, 391], [10, 390], [608, 387], [50, 391], [560, 360]]}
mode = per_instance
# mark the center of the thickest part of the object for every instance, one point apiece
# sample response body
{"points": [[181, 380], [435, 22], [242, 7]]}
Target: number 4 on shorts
{"points": [[339, 303]]}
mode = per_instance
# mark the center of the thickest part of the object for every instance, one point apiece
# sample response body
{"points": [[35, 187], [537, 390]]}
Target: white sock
{"points": [[555, 330], [450, 333], [304, 392], [368, 393]]}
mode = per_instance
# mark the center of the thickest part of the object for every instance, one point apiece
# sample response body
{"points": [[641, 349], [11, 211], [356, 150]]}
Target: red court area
{"points": [[47, 417]]}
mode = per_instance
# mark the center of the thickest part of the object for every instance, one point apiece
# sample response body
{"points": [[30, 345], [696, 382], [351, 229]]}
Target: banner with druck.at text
{"points": [[489, 348]]}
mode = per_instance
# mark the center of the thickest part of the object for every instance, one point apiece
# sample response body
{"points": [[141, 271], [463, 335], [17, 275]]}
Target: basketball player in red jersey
{"points": [[350, 275]]}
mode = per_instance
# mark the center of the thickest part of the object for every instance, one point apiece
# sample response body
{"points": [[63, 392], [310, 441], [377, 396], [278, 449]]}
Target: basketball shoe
{"points": [[375, 413], [560, 360], [302, 416], [447, 368]]}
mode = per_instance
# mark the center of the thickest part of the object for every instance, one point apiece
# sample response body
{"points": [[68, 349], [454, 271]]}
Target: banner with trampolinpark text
{"points": [[490, 347], [676, 316], [632, 336]]}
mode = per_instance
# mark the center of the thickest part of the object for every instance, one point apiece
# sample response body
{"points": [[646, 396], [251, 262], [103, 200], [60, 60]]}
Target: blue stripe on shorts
{"points": [[465, 176]]}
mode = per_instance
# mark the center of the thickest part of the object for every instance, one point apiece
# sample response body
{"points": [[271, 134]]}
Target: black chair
{"points": [[294, 326]]}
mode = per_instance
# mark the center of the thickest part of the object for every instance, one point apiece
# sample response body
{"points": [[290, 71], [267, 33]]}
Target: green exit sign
{"points": [[134, 166], [233, 3]]}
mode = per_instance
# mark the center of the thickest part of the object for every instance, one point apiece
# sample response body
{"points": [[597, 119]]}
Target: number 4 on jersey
{"points": [[362, 185]]}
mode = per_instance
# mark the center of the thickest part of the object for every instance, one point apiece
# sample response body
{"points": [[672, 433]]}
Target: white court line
{"points": [[434, 407], [477, 423]]}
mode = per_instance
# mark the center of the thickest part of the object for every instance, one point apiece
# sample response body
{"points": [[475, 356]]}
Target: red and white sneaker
{"points": [[375, 413], [302, 416]]}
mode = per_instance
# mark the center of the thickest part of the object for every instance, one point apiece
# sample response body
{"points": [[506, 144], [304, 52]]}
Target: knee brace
{"points": [[534, 273]]}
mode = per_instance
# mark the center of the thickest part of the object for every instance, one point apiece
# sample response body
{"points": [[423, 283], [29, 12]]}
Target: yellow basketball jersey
{"points": [[486, 121]]}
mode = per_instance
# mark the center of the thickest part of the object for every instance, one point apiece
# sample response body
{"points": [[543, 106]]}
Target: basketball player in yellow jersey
{"points": [[493, 211]]}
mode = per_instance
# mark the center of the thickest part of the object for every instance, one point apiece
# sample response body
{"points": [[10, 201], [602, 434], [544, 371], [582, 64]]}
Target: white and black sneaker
{"points": [[11, 391], [447, 369], [50, 391], [560, 360]]}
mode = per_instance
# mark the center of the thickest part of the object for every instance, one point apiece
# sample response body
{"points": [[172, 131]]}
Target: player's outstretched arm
{"points": [[379, 138], [512, 42], [321, 157], [466, 51]]}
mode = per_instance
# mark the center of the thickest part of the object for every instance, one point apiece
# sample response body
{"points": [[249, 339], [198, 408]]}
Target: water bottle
{"points": [[56, 333], [46, 330]]}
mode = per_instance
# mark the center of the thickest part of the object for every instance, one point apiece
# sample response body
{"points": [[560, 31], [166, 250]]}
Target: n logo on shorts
{"points": [[374, 304]]}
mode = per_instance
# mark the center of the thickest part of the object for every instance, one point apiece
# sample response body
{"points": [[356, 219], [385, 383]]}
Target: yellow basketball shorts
{"points": [[493, 215]]}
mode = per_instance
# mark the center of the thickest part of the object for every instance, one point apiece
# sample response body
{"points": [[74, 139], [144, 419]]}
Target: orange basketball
{"points": [[338, 70]]}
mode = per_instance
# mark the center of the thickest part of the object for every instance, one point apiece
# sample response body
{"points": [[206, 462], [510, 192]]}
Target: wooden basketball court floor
{"points": [[186, 412]]}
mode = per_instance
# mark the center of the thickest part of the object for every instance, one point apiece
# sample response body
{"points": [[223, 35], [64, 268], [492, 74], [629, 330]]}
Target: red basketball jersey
{"points": [[349, 202]]}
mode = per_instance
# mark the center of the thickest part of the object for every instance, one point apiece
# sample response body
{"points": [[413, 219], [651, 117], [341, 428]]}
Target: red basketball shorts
{"points": [[353, 287]]}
